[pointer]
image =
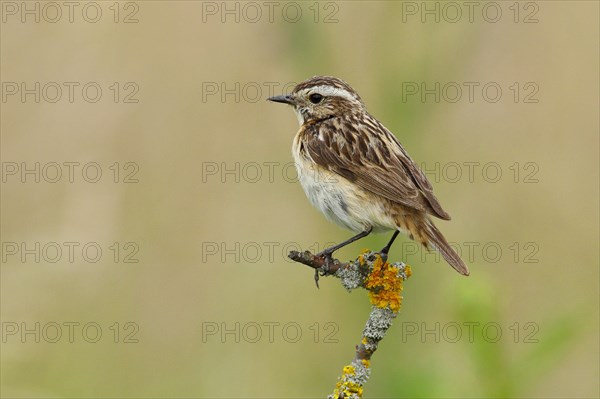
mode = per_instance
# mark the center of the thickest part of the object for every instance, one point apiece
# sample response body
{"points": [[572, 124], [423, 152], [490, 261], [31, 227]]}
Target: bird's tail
{"points": [[435, 238]]}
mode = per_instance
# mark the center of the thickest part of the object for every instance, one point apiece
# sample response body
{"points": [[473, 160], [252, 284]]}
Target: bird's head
{"points": [[321, 97]]}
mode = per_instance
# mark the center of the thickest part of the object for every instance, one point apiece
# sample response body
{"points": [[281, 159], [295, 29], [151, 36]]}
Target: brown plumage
{"points": [[356, 171]]}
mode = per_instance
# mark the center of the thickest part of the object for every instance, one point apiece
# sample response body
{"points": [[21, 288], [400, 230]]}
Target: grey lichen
{"points": [[377, 325], [351, 276], [361, 372]]}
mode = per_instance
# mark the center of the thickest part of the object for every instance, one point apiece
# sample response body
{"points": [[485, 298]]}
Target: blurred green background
{"points": [[210, 234]]}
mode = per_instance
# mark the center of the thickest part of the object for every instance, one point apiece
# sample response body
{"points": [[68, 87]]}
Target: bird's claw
{"points": [[328, 261], [383, 254]]}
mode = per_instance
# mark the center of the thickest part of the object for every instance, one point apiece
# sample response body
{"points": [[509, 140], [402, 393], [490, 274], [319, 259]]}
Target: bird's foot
{"points": [[384, 254], [328, 261]]}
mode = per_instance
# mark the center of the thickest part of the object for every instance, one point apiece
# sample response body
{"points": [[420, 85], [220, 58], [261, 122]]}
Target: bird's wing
{"points": [[367, 154]]}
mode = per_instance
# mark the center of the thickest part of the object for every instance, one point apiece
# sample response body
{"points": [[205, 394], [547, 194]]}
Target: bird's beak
{"points": [[282, 99]]}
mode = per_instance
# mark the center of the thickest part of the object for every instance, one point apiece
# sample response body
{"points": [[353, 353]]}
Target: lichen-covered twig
{"points": [[384, 283]]}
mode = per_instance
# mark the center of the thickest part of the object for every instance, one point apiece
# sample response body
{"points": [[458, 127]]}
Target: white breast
{"points": [[341, 201]]}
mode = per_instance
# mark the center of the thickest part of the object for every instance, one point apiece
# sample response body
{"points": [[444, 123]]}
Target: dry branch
{"points": [[383, 281]]}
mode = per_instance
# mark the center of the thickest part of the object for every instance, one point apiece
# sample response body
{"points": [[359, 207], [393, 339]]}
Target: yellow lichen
{"points": [[345, 387], [384, 285], [361, 257]]}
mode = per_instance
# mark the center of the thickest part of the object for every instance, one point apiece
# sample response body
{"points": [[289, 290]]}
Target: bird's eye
{"points": [[315, 98]]}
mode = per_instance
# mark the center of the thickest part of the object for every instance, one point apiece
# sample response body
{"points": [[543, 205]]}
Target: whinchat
{"points": [[356, 172]]}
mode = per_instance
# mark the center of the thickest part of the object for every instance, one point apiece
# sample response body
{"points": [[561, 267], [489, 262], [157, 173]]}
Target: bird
{"points": [[356, 172]]}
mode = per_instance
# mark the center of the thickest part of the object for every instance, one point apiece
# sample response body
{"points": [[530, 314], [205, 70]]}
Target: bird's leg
{"points": [[327, 253], [384, 251]]}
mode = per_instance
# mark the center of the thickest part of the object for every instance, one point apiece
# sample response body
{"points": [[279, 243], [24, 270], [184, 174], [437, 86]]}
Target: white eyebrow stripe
{"points": [[326, 91]]}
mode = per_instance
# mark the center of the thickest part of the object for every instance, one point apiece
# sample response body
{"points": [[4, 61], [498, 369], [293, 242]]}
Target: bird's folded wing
{"points": [[373, 160]]}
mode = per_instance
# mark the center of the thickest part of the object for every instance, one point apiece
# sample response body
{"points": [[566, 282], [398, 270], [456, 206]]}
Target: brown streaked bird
{"points": [[357, 173]]}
